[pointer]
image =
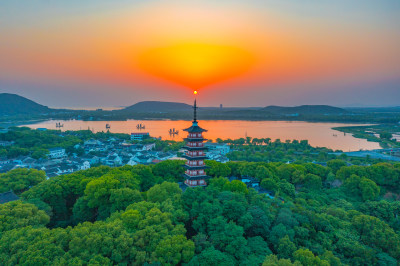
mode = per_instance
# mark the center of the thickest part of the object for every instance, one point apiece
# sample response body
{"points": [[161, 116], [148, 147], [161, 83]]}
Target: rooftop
{"points": [[7, 197]]}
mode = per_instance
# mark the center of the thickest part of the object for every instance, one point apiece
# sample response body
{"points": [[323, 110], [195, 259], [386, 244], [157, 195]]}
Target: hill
{"points": [[13, 104], [305, 109], [158, 107]]}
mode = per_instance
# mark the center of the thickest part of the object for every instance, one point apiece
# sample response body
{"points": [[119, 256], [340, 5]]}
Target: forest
{"points": [[138, 215]]}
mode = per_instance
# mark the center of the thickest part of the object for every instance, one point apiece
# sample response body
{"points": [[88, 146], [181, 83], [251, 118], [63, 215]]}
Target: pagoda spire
{"points": [[195, 111]]}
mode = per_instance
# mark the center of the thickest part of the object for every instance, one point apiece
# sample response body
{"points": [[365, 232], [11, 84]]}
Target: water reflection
{"points": [[318, 134]]}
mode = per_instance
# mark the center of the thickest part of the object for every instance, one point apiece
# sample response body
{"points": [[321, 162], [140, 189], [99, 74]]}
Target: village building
{"points": [[140, 135], [6, 143], [218, 148], [57, 153]]}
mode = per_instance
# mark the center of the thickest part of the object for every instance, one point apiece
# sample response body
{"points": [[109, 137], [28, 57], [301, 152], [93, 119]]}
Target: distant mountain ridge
{"points": [[304, 109], [157, 106], [13, 104]]}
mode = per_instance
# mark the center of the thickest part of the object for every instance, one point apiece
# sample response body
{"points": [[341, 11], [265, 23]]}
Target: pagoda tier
{"points": [[195, 165]]}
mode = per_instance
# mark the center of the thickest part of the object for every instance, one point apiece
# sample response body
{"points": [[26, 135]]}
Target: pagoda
{"points": [[195, 174]]}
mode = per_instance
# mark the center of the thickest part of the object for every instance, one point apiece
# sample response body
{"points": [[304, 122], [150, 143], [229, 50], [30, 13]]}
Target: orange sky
{"points": [[169, 48]]}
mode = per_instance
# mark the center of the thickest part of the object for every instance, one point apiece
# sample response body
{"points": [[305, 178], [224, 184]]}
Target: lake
{"points": [[318, 134]]}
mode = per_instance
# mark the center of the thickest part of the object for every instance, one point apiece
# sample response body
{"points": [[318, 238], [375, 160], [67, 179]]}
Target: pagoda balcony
{"points": [[196, 183], [195, 163], [195, 144], [195, 172]]}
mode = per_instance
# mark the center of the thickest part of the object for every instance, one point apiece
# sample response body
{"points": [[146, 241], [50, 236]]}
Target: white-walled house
{"points": [[132, 161], [85, 165], [56, 153], [218, 148]]}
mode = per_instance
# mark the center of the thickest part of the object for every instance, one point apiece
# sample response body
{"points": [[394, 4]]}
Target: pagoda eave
{"points": [[197, 177], [195, 167], [195, 157], [195, 139], [194, 148], [195, 129]]}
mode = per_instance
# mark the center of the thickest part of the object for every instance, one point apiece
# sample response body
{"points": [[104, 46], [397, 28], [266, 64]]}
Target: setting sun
{"points": [[196, 65]]}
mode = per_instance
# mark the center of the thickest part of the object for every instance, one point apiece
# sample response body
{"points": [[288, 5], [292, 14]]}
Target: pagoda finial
{"points": [[195, 107], [195, 111]]}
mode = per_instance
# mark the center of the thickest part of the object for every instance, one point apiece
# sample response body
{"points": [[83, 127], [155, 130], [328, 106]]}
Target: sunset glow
{"points": [[196, 65], [262, 52]]}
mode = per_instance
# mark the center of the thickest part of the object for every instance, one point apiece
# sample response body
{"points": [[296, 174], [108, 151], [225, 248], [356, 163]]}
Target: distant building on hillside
{"points": [[218, 148], [140, 135], [6, 143], [57, 153]]}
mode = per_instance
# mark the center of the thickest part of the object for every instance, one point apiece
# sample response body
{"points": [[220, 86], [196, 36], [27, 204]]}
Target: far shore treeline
{"points": [[16, 108]]}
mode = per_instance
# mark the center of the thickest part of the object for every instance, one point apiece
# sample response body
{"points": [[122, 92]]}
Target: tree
{"points": [[286, 188], [40, 153], [336, 164], [369, 190], [227, 237], [212, 257], [98, 191], [286, 248], [218, 169], [386, 135], [361, 187], [21, 179], [307, 258], [313, 182], [17, 214], [352, 184], [269, 184], [144, 174], [377, 233], [169, 170], [236, 186], [123, 197], [272, 260], [163, 191], [332, 259], [174, 250], [263, 172]]}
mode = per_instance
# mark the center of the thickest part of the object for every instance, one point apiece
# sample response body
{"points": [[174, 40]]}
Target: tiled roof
{"points": [[7, 197]]}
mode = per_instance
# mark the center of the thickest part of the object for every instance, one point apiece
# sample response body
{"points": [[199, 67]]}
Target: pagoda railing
{"points": [[195, 136], [200, 154], [195, 173], [194, 144], [201, 163]]}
